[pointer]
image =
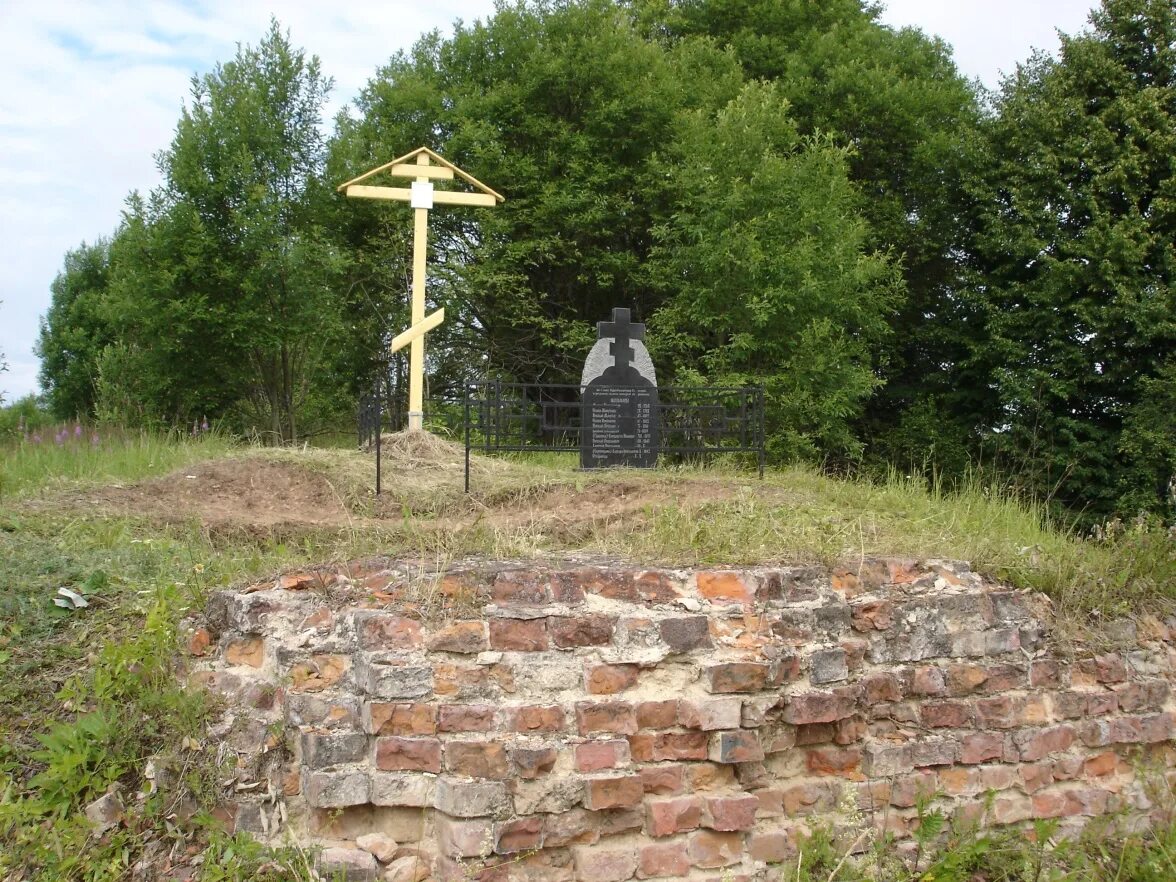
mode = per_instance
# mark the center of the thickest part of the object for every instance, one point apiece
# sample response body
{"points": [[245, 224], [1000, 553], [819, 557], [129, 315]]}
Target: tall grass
{"points": [[73, 454]]}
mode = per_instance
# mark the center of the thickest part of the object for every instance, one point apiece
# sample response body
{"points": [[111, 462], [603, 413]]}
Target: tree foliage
{"points": [[1076, 255]]}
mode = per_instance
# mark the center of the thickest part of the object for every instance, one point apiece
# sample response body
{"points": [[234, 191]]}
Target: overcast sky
{"points": [[89, 92]]}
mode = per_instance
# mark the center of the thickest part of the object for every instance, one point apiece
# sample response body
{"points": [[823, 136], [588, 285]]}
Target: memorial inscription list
{"points": [[619, 406]]}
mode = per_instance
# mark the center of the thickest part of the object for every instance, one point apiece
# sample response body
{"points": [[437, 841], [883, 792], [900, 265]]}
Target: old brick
{"points": [[885, 760], [1035, 776], [965, 678], [248, 651], [537, 718], [405, 718], [650, 747], [1101, 764], [393, 678], [981, 747], [588, 630], [1045, 674], [323, 750], [846, 762], [473, 681], [519, 635], [1034, 745], [518, 834], [685, 633], [471, 799], [402, 789], [819, 707], [533, 762], [729, 677], [378, 630], [872, 615], [907, 790], [657, 860], [597, 863], [318, 673], [928, 680], [466, 717], [575, 826], [709, 849], [622, 791], [946, 714], [810, 797], [710, 714], [933, 753], [770, 846], [729, 812], [610, 679], [464, 838], [724, 586], [617, 717], [476, 759], [199, 641], [739, 746], [828, 666], [593, 756], [460, 637], [880, 687], [665, 817], [999, 712], [521, 588], [657, 714], [336, 789], [662, 780], [408, 754]]}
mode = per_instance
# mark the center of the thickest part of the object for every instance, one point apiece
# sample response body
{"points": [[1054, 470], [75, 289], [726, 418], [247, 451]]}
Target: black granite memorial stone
{"points": [[619, 406]]}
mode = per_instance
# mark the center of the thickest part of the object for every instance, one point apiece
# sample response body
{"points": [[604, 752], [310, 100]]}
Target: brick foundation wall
{"points": [[602, 723]]}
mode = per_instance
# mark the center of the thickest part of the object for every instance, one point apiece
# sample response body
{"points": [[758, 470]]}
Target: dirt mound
{"points": [[248, 490]]}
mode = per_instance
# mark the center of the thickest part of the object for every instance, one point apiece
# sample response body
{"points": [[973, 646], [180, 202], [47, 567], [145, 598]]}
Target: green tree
{"points": [[1076, 261], [74, 331], [769, 274]]}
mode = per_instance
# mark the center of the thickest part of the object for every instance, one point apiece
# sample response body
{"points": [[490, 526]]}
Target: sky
{"points": [[90, 92]]}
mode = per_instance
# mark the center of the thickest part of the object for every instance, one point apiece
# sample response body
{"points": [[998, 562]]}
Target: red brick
{"points": [[965, 678], [724, 586], [408, 754], [981, 747], [1040, 743], [907, 790], [665, 779], [519, 635], [928, 680], [880, 687], [199, 642], [1109, 668], [610, 679], [946, 714], [1000, 712], [1045, 673], [729, 813], [810, 798], [537, 718], [873, 615], [846, 762], [592, 756], [657, 714], [819, 707], [738, 746], [596, 863], [519, 834], [462, 637], [1035, 776], [684, 633], [476, 759], [589, 630], [405, 718], [623, 791], [533, 762], [650, 747], [656, 860], [1012, 809], [575, 826], [520, 589], [736, 677], [387, 631], [708, 849], [616, 717], [466, 717], [665, 817], [771, 847]]}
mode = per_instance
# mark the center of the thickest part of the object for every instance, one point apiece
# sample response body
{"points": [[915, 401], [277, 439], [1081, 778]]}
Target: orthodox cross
{"points": [[622, 331], [422, 165]]}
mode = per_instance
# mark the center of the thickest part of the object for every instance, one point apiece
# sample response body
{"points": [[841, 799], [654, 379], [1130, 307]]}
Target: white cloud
{"points": [[91, 91]]}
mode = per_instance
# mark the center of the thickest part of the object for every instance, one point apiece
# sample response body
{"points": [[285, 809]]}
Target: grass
{"points": [[73, 683]]}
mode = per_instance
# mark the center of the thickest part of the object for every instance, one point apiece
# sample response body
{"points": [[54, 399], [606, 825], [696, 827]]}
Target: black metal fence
{"points": [[694, 422]]}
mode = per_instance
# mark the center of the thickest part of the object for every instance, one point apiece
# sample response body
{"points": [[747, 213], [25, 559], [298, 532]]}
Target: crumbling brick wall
{"points": [[603, 723]]}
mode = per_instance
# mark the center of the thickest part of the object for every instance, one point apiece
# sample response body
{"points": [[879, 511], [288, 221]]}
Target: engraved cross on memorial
{"points": [[619, 405]]}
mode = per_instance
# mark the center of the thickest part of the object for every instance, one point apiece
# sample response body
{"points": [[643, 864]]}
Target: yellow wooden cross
{"points": [[422, 165]]}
